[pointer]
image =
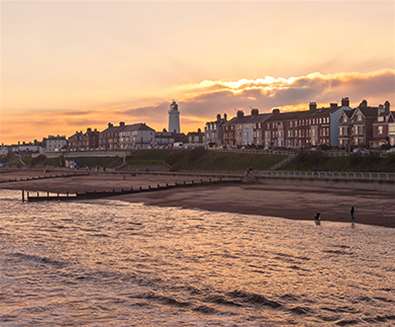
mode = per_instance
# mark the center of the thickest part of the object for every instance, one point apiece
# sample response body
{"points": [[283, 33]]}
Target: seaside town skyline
{"points": [[132, 77], [334, 126]]}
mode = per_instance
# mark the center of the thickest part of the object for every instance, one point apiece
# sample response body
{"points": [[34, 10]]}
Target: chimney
{"points": [[240, 114], [89, 129], [333, 105], [363, 104], [312, 106], [381, 110], [121, 124], [199, 130], [110, 125], [218, 117], [387, 107], [275, 111], [254, 112], [345, 102], [225, 117]]}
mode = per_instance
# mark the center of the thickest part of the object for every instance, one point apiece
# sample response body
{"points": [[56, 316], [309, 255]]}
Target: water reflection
{"points": [[112, 263]]}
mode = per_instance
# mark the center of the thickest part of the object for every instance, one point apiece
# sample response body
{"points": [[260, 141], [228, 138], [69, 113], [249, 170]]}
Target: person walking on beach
{"points": [[317, 218], [352, 212]]}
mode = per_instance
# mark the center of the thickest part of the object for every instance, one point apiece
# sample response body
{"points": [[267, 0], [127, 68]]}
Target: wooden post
{"points": [[23, 195]]}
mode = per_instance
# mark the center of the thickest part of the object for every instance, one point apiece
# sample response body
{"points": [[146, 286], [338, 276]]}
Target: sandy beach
{"points": [[287, 200], [375, 203]]}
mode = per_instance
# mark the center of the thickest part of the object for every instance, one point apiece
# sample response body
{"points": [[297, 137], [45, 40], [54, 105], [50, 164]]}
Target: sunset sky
{"points": [[66, 66]]}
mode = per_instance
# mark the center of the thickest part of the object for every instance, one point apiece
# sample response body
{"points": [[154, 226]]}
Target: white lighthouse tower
{"points": [[174, 118]]}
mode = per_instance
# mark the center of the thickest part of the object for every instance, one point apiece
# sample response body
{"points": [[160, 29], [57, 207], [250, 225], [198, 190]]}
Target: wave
{"points": [[254, 299], [40, 260], [167, 300]]}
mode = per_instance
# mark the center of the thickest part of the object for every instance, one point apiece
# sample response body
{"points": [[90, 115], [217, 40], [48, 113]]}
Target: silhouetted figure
{"points": [[352, 212], [317, 218]]}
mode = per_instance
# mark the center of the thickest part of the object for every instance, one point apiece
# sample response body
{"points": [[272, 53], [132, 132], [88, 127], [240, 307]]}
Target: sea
{"points": [[114, 263]]}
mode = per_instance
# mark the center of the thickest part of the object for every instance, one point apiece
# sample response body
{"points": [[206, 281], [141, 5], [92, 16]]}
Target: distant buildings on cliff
{"points": [[335, 126]]}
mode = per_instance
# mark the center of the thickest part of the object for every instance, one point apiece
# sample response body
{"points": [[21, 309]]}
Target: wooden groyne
{"points": [[70, 196], [33, 178]]}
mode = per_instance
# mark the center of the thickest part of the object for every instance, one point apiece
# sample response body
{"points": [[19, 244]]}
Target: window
{"points": [[380, 129]]}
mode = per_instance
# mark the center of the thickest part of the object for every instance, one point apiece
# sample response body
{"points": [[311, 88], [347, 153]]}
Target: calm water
{"points": [[110, 263]]}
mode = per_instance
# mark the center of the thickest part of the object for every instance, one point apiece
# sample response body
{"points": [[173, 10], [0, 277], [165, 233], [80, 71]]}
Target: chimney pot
{"points": [[312, 106], [363, 104], [345, 102]]}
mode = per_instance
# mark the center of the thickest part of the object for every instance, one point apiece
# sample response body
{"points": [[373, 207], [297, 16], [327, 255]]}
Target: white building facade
{"points": [[136, 136], [54, 143]]}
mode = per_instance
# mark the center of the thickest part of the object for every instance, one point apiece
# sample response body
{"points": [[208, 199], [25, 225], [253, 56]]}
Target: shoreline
{"points": [[262, 201], [290, 199]]}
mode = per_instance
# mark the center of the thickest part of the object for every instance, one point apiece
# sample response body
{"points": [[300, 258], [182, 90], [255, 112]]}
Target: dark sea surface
{"points": [[111, 263]]}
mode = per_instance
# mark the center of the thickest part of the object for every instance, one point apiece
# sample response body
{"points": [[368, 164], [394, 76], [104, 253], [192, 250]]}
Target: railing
{"points": [[318, 175], [329, 175]]}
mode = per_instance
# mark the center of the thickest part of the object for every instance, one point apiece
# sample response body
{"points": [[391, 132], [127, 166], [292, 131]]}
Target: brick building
{"points": [[241, 130], [298, 129], [381, 127], [80, 141], [214, 132], [109, 138], [366, 126]]}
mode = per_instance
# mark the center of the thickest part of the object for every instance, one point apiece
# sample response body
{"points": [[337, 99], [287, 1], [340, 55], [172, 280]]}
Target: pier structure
{"points": [[34, 196]]}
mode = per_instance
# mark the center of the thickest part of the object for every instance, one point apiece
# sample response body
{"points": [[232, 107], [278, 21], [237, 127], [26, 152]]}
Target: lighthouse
{"points": [[174, 118]]}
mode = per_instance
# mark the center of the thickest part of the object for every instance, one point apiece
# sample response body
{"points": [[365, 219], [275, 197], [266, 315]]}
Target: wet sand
{"points": [[282, 199], [375, 203]]}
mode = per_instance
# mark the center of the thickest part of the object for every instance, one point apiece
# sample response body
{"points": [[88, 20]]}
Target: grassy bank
{"points": [[200, 159], [203, 160], [318, 161]]}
